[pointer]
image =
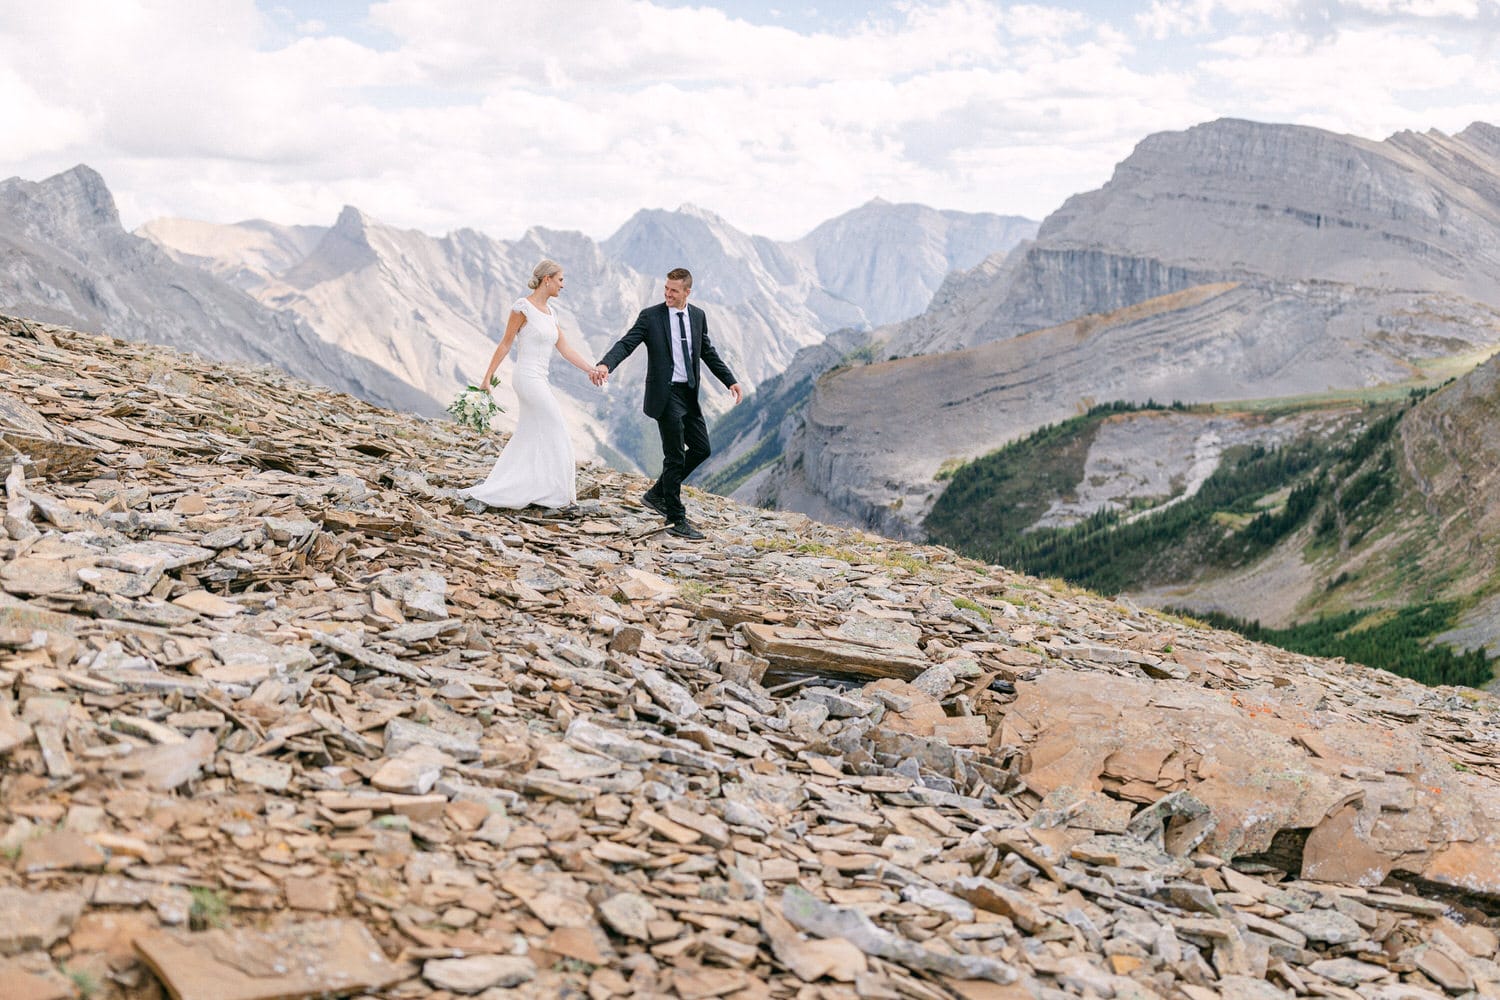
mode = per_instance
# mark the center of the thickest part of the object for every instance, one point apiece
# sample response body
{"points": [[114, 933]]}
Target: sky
{"points": [[775, 114]]}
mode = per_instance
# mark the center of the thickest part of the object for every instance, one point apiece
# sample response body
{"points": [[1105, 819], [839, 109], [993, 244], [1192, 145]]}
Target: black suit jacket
{"points": [[651, 327]]}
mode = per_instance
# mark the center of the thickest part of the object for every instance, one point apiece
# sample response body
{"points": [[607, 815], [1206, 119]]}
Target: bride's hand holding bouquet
{"points": [[475, 407]]}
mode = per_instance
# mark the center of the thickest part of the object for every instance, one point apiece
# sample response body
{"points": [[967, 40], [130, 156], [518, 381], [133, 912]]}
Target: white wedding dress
{"points": [[536, 466]]}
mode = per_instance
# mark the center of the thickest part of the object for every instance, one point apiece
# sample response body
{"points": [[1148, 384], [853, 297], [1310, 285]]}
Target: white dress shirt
{"points": [[679, 363]]}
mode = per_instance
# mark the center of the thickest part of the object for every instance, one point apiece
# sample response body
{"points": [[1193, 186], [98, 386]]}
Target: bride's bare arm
{"points": [[512, 327], [571, 354]]}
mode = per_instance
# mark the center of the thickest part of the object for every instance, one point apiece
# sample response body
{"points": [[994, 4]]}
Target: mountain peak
{"points": [[344, 248], [81, 195], [352, 223], [1482, 135], [689, 208]]}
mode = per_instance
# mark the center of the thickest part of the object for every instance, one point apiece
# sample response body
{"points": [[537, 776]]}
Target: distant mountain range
{"points": [[429, 310], [1234, 260], [405, 319], [64, 258]]}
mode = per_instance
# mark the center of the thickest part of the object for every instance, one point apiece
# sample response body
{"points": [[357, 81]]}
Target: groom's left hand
{"points": [[734, 391]]}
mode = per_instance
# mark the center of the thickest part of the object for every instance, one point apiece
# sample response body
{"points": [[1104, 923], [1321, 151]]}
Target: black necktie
{"points": [[687, 352]]}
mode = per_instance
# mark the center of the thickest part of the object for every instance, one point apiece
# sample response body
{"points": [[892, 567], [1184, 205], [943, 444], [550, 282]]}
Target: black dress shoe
{"points": [[684, 529], [656, 505]]}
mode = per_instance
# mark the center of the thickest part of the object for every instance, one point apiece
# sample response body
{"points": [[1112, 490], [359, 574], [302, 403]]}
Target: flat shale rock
{"points": [[316, 959], [17, 982], [31, 920], [477, 974], [60, 849], [802, 651], [1277, 767]]}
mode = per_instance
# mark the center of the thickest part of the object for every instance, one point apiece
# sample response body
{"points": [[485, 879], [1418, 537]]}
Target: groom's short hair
{"points": [[681, 274]]}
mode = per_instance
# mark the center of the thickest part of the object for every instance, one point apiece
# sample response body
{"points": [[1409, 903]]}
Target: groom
{"points": [[676, 336]]}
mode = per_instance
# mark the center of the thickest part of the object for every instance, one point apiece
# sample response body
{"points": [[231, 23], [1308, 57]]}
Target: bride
{"points": [[536, 465]]}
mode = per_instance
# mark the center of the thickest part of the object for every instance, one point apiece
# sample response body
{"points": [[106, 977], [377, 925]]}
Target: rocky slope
{"points": [[1398, 507], [65, 257], [267, 689], [1349, 261], [1436, 540]]}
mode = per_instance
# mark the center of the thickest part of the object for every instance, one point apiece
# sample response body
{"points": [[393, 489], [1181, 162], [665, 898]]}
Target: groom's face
{"points": [[677, 293]]}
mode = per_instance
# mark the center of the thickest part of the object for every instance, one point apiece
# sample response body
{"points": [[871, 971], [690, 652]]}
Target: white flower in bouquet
{"points": [[475, 407]]}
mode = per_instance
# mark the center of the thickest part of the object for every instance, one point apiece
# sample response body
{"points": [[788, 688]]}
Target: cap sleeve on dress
{"points": [[521, 305]]}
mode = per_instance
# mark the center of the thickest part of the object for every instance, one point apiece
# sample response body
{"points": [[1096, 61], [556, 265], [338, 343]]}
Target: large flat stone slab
{"points": [[805, 651], [32, 920], [321, 958]]}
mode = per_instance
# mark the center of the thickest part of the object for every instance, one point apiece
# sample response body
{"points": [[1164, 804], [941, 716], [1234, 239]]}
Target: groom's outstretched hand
{"points": [[734, 391], [599, 375]]}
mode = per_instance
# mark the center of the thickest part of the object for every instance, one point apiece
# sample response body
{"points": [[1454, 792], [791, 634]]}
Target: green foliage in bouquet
{"points": [[475, 407]]}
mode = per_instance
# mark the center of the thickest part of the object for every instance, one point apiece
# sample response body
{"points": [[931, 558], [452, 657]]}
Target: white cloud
{"points": [[504, 115], [32, 124], [1367, 81]]}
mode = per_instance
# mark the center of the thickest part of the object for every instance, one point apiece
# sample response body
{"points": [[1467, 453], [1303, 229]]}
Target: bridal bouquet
{"points": [[475, 407]]}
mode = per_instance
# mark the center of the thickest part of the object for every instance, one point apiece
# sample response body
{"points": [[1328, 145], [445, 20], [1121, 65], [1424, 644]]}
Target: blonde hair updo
{"points": [[543, 271]]}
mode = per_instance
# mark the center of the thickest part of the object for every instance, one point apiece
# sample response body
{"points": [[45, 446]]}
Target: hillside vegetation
{"points": [[1329, 497]]}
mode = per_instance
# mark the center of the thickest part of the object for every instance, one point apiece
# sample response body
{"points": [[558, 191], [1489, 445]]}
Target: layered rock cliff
{"points": [[1350, 263]]}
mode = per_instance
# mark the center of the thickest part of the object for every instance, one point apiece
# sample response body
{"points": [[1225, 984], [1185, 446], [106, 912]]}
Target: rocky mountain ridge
{"points": [[1234, 260], [268, 688], [1245, 201], [67, 258]]}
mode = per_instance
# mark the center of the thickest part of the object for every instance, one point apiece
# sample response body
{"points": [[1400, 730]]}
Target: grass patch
{"points": [[1454, 365], [965, 604], [693, 590], [948, 468], [210, 909], [904, 561], [1177, 616], [86, 983]]}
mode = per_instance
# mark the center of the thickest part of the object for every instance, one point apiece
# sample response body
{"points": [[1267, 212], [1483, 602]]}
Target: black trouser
{"points": [[684, 446]]}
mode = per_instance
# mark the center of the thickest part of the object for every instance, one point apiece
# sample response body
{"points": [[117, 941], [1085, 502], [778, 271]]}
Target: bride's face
{"points": [[553, 283]]}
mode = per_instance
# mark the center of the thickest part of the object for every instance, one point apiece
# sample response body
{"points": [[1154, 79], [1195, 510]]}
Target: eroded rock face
{"points": [[1232, 260], [70, 261], [280, 717], [1263, 762], [1270, 200]]}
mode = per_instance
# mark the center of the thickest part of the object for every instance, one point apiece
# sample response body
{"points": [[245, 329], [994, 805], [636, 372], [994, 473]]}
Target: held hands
{"points": [[598, 375]]}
